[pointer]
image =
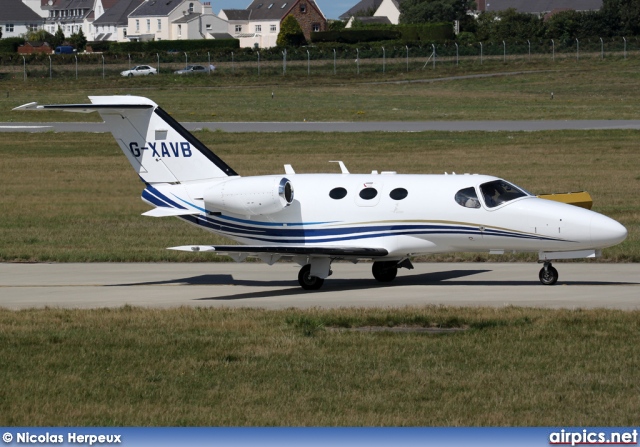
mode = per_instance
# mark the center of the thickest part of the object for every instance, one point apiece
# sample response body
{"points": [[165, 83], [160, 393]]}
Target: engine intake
{"points": [[250, 196]]}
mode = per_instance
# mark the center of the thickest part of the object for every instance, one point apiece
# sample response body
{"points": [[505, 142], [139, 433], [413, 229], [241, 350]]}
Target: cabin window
{"points": [[399, 194], [338, 193], [368, 193], [497, 192], [468, 198]]}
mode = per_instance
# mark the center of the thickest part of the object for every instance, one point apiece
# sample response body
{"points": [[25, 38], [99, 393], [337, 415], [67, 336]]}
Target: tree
{"points": [[291, 34], [508, 25], [78, 40], [40, 35], [58, 38], [424, 11], [622, 16]]}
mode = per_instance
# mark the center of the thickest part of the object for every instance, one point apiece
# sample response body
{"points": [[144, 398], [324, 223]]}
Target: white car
{"points": [[140, 70]]}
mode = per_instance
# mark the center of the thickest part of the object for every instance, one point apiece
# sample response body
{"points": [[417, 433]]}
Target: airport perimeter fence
{"points": [[365, 59]]}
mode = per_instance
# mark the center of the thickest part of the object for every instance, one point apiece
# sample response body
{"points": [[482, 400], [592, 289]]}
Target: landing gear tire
{"points": [[385, 271], [308, 282], [548, 275]]}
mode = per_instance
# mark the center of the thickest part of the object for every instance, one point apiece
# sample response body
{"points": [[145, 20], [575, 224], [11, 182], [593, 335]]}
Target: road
{"points": [[581, 285], [382, 126]]}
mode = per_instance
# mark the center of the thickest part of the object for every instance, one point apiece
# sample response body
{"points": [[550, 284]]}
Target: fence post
{"points": [[433, 47], [529, 42], [384, 58], [407, 46], [358, 60], [284, 62], [334, 61], [51, 72], [233, 68], [553, 50], [308, 63], [129, 54], [577, 49], [209, 59], [158, 56], [457, 55], [625, 47], [258, 62], [601, 49], [480, 53], [102, 66], [76, 56], [24, 68], [504, 57]]}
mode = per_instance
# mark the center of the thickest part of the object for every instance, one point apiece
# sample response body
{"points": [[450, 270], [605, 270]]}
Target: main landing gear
{"points": [[383, 271], [548, 274], [308, 282]]}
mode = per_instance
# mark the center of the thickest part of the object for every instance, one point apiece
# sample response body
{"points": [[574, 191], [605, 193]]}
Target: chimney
{"points": [[206, 8]]}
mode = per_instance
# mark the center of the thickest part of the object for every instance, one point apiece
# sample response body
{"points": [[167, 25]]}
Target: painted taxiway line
{"points": [[581, 285]]}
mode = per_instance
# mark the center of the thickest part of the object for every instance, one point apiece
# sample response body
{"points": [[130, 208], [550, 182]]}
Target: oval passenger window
{"points": [[338, 193], [368, 193], [399, 194]]}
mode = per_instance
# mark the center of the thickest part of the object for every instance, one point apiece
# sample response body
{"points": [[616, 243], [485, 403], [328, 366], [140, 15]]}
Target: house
{"points": [[17, 18], [386, 12], [174, 20], [364, 8], [112, 24], [35, 47], [538, 7], [68, 15], [259, 24]]}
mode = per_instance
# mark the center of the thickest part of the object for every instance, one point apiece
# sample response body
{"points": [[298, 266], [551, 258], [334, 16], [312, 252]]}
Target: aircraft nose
{"points": [[606, 232]]}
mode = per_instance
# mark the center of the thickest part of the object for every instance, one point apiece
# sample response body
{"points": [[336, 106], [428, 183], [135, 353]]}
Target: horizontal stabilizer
{"points": [[82, 108], [162, 211], [287, 250]]}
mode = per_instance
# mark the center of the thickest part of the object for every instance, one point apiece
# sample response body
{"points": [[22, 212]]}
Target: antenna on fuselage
{"points": [[343, 168]]}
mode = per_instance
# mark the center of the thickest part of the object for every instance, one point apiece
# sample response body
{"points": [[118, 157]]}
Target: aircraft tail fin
{"points": [[157, 146]]}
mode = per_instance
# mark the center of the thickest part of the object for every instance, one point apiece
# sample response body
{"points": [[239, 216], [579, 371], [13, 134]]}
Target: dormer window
{"points": [[270, 6], [283, 5]]}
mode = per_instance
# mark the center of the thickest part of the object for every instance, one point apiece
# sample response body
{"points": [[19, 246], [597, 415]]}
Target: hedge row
{"points": [[10, 44], [173, 45], [430, 32]]}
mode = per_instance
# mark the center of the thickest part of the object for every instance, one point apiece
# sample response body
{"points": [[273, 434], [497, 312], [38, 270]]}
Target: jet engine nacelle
{"points": [[250, 196]]}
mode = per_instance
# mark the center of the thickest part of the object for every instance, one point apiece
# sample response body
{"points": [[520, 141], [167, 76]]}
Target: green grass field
{"points": [[207, 367], [73, 197]]}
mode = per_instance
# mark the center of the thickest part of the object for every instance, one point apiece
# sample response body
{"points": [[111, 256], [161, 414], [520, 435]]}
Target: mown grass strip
{"points": [[592, 89], [225, 367]]}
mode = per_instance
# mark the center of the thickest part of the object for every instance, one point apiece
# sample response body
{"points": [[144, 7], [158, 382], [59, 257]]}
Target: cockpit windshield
{"points": [[497, 192]]}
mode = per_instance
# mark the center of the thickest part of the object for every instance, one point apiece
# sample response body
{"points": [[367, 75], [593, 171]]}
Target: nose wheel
{"points": [[548, 274]]}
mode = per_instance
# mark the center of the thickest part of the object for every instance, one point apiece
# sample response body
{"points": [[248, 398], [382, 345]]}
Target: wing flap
{"points": [[285, 250]]}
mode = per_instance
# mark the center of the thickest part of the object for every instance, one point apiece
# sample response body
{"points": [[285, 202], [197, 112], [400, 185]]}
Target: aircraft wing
{"points": [[287, 250]]}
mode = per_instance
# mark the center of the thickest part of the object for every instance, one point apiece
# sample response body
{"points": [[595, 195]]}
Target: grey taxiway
{"points": [[581, 285]]}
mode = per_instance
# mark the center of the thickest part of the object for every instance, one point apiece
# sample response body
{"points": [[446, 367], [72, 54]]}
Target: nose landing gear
{"points": [[548, 274]]}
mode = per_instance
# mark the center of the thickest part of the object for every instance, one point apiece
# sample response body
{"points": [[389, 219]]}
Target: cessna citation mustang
{"points": [[315, 219]]}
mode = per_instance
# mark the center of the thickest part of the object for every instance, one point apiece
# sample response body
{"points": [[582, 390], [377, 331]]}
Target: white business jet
{"points": [[315, 219]]}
